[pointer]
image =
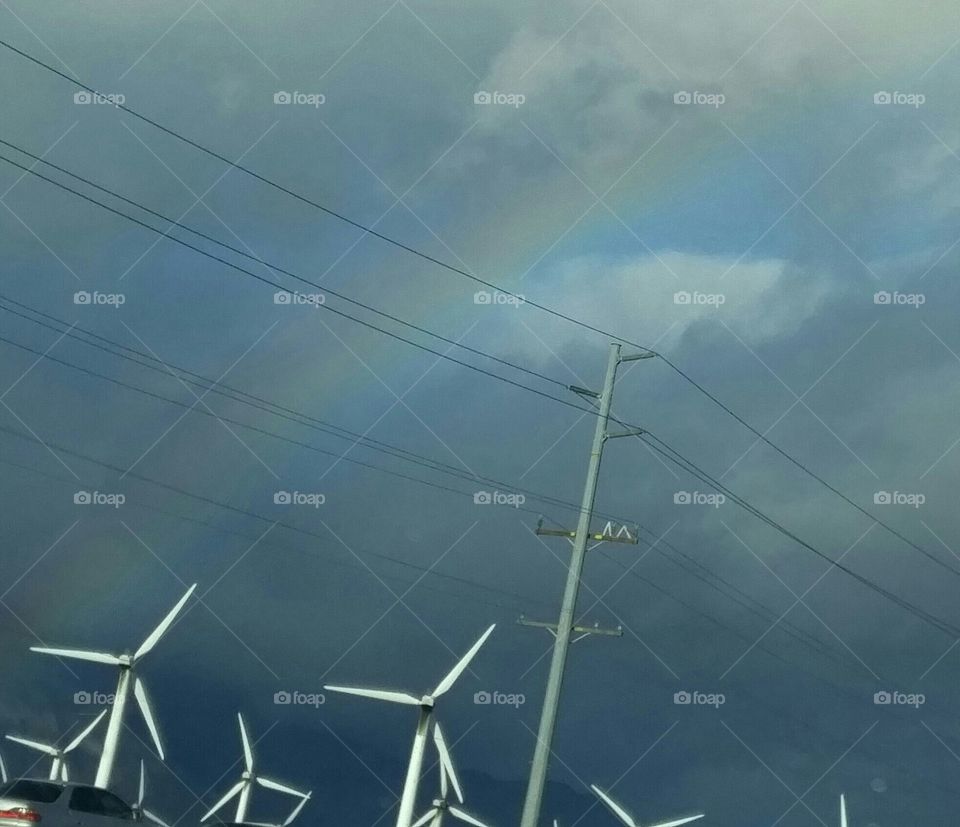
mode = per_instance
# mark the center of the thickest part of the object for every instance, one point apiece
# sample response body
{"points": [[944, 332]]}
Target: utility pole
{"points": [[565, 625]]}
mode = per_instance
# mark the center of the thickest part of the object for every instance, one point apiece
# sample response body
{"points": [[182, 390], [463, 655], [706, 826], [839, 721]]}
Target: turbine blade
{"points": [[155, 819], [456, 812], [427, 816], [234, 790], [270, 784], [446, 765], [618, 811], [165, 624], [143, 786], [33, 745], [378, 694], [141, 695], [78, 654], [678, 822], [64, 773], [76, 741], [296, 810], [247, 749], [3, 771], [457, 670], [843, 811]]}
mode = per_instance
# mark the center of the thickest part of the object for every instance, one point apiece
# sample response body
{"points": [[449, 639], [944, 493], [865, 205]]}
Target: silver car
{"points": [[28, 802]]}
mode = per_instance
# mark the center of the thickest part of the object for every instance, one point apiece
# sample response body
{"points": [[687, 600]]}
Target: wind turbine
{"points": [[627, 819], [126, 662], [58, 768], [434, 816], [426, 702], [290, 818], [145, 813], [244, 787], [843, 811]]}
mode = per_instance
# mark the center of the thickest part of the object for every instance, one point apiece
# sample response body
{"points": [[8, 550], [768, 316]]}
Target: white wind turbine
{"points": [[627, 819], [58, 767], [145, 813], [244, 787], [426, 702], [441, 806], [126, 662], [843, 811], [290, 818]]}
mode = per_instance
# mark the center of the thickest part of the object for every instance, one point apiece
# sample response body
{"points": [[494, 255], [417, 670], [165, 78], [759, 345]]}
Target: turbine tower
{"points": [[426, 702], [127, 663], [628, 819], [4, 778], [145, 813], [441, 806], [58, 767], [244, 787]]}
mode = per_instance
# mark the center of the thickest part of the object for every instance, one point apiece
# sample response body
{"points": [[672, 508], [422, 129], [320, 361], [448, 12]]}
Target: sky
{"points": [[765, 194]]}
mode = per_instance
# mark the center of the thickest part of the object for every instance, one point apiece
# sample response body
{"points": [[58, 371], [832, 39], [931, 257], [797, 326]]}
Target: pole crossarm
{"points": [[583, 631], [605, 536]]}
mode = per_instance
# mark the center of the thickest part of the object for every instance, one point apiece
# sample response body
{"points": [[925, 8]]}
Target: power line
{"points": [[241, 511], [678, 459], [466, 274], [207, 384], [278, 269], [278, 286], [165, 368]]}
